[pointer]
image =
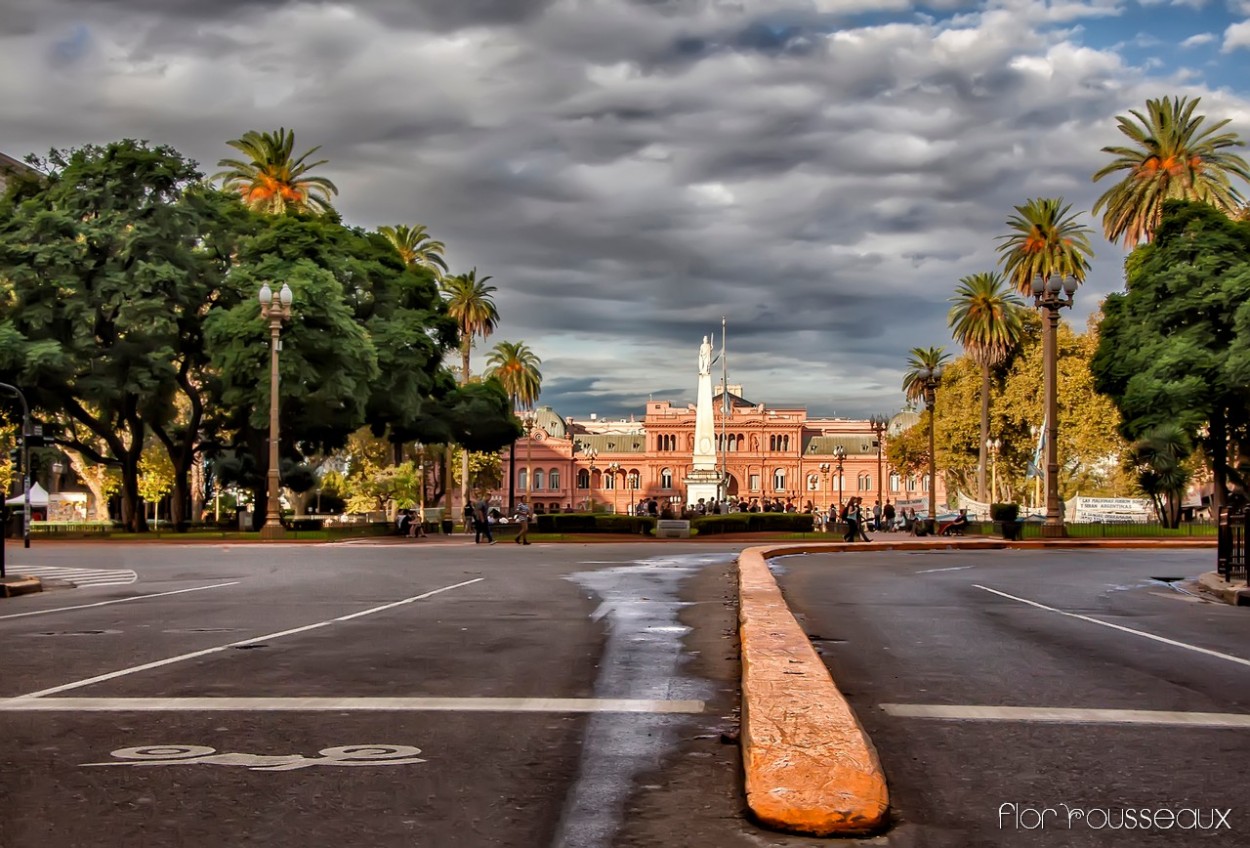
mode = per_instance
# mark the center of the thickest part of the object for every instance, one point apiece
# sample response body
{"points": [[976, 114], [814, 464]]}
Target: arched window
{"points": [[583, 478], [813, 482], [632, 482], [666, 478], [521, 480], [538, 479], [894, 481], [865, 483], [779, 480], [924, 484], [911, 484], [553, 479], [609, 481]]}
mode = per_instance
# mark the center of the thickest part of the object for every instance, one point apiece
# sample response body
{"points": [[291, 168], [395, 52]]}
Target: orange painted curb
{"points": [[810, 768]]}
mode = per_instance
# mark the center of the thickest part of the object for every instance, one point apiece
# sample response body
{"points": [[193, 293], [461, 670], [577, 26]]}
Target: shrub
{"points": [[1004, 511], [753, 522], [584, 522]]}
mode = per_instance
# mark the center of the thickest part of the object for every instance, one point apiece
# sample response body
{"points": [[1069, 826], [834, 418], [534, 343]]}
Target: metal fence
{"points": [[1231, 556], [1149, 530]]}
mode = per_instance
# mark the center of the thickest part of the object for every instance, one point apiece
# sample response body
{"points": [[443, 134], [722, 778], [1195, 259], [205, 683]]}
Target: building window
{"points": [[865, 483], [813, 483], [911, 484], [538, 479], [666, 478], [583, 478], [894, 481], [779, 480], [553, 479], [609, 480], [521, 479], [633, 480], [755, 482], [924, 484]]}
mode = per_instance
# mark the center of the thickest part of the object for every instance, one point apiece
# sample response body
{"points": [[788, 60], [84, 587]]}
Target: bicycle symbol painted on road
{"points": [[185, 755]]}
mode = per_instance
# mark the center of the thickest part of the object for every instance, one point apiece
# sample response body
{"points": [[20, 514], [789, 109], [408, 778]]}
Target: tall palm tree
{"points": [[416, 248], [471, 305], [269, 179], [986, 320], [1044, 239], [516, 367], [1173, 157]]}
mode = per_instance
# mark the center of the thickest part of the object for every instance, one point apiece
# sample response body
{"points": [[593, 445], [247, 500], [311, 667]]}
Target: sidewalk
{"points": [[13, 585], [1237, 593]]}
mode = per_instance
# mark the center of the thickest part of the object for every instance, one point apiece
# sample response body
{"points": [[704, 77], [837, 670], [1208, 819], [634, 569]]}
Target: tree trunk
{"points": [[985, 431], [1219, 462], [197, 489], [464, 459]]}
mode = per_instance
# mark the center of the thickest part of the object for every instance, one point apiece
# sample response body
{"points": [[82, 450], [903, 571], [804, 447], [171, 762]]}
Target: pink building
{"points": [[768, 453]]}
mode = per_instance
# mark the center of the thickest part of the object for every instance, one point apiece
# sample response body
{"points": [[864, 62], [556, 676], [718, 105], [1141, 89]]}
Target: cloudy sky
{"points": [[819, 172]]}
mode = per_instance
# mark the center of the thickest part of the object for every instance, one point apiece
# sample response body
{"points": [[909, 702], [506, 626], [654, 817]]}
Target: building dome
{"points": [[545, 418], [905, 420]]}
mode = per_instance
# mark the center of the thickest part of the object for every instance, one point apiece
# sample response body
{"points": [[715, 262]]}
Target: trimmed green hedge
{"points": [[585, 522], [753, 522]]}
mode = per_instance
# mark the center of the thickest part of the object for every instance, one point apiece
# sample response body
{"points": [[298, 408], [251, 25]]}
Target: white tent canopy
{"points": [[38, 497]]}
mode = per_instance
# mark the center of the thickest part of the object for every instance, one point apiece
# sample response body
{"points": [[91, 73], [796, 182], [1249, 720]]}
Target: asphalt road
{"points": [[922, 643], [550, 695]]}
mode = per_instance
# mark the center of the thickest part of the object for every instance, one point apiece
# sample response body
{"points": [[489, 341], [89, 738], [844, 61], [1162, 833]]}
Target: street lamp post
{"points": [[824, 469], [878, 423], [839, 454], [931, 377], [591, 453], [1051, 294], [993, 446], [611, 470], [276, 308]]}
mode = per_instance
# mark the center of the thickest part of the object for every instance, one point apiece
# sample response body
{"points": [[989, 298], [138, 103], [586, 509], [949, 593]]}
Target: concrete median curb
{"points": [[810, 767], [12, 586]]}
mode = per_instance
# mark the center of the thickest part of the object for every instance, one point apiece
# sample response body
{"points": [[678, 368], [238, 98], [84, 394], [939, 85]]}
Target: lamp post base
{"points": [[1054, 531], [272, 530]]}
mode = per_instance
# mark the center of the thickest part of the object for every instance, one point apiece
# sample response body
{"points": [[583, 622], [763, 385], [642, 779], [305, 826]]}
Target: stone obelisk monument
{"points": [[704, 479]]}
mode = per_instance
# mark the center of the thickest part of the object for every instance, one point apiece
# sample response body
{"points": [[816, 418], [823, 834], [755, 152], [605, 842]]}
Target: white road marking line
{"points": [[1142, 633], [30, 703], [194, 654], [1066, 715], [119, 600], [952, 568]]}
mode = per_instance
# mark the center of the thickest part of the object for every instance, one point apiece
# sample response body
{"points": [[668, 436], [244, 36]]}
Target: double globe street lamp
{"points": [[930, 378], [1052, 293], [276, 308]]}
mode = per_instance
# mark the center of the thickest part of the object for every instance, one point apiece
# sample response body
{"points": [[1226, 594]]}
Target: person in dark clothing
{"points": [[481, 524], [888, 513]]}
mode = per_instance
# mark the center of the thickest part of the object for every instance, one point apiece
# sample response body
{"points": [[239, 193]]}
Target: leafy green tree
{"points": [[156, 476], [94, 262], [1175, 346], [986, 320], [269, 180], [1173, 157]]}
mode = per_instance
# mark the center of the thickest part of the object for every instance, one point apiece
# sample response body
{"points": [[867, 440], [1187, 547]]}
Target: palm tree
{"points": [[416, 248], [1159, 459], [986, 320], [470, 305], [920, 359], [269, 180], [1173, 158], [1044, 239], [516, 367]]}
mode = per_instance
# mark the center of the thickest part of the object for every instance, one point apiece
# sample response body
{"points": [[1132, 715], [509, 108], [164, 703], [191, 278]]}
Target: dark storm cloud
{"points": [[630, 172]]}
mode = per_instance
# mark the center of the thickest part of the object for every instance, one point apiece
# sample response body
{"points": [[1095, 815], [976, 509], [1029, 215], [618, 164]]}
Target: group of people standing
{"points": [[481, 518]]}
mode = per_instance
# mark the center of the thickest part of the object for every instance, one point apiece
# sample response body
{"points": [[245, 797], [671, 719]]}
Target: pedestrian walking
{"points": [[481, 523], [522, 518]]}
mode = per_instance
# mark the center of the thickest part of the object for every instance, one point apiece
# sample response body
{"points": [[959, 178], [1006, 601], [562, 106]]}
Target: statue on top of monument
{"points": [[705, 357]]}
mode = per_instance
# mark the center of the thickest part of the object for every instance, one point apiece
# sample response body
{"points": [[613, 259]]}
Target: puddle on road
{"points": [[642, 659]]}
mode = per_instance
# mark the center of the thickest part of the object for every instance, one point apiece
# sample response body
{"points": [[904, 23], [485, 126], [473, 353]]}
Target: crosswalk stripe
{"points": [[80, 576]]}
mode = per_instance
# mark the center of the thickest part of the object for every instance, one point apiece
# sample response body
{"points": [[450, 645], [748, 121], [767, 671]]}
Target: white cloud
{"points": [[1198, 40], [1237, 35]]}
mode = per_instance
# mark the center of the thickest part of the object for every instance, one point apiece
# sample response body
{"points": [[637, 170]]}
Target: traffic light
{"points": [[35, 438], [15, 459]]}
